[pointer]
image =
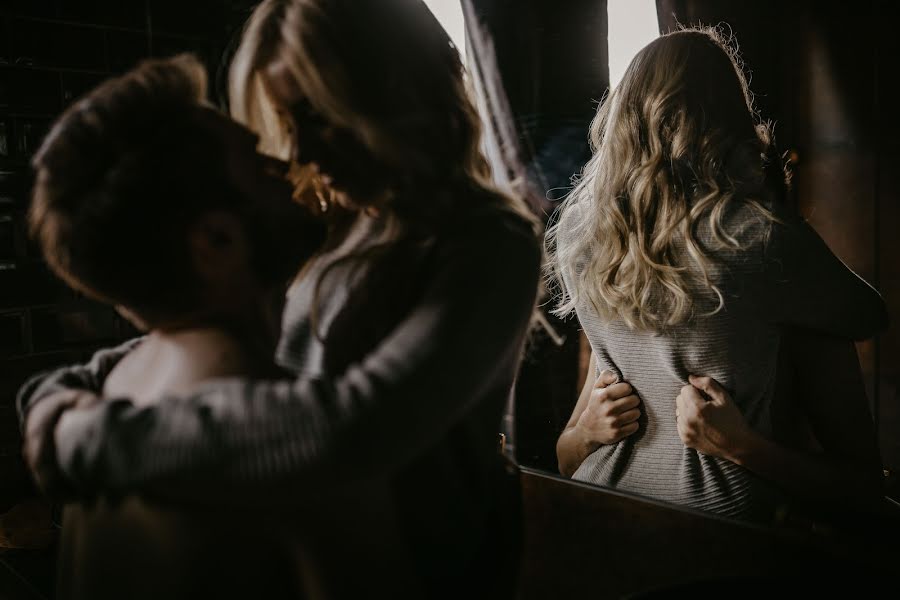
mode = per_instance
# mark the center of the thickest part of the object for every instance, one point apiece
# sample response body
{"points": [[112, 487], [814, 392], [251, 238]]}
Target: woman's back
{"points": [[676, 254], [782, 274], [734, 345]]}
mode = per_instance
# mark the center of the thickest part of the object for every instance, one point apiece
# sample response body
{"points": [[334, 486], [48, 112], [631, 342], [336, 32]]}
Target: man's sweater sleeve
{"points": [[806, 285], [89, 377], [458, 342]]}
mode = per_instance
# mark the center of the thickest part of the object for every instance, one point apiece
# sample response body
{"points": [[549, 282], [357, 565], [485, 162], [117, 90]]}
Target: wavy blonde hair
{"points": [[676, 147], [385, 70]]}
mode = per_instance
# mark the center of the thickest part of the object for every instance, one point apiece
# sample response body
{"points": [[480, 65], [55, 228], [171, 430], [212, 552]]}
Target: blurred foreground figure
{"points": [[151, 201], [404, 332]]}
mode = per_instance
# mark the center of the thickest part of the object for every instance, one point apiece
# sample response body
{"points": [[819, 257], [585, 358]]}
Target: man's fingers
{"points": [[624, 404], [48, 411], [700, 381], [629, 416], [607, 394], [682, 430], [606, 378], [39, 448], [86, 400], [627, 430], [618, 391], [690, 396], [709, 386]]}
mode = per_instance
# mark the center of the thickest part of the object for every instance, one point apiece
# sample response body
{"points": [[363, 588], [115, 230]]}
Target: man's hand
{"points": [[612, 412], [39, 447], [709, 421]]}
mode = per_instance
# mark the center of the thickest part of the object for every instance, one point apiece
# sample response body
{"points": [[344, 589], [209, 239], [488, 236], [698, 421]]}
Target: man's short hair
{"points": [[120, 178]]}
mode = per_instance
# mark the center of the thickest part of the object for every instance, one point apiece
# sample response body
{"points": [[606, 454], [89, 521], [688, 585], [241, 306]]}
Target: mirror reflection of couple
{"points": [[374, 405]]}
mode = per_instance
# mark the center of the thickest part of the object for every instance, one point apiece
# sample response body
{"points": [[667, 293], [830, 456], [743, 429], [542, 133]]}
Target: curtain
{"points": [[538, 68]]}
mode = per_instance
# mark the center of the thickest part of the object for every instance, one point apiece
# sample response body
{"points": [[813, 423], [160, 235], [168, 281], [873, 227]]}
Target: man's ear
{"points": [[218, 245]]}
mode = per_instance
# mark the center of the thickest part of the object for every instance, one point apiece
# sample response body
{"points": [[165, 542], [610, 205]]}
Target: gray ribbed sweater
{"points": [[791, 279]]}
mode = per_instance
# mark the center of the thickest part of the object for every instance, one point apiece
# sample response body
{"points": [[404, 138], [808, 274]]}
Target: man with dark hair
{"points": [[139, 185], [149, 200]]}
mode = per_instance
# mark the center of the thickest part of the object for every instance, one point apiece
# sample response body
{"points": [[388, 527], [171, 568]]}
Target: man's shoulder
{"points": [[494, 231]]}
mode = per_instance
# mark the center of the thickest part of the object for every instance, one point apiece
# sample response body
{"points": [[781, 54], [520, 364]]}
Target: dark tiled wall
{"points": [[52, 52]]}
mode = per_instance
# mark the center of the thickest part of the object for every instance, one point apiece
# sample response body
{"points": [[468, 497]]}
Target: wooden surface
{"points": [[586, 542]]}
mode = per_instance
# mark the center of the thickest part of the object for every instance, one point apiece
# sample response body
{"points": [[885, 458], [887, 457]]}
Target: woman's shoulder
{"points": [[569, 216], [740, 234], [568, 224]]}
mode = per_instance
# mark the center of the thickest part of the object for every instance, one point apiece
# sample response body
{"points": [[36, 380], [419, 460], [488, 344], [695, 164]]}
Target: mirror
{"points": [[815, 82]]}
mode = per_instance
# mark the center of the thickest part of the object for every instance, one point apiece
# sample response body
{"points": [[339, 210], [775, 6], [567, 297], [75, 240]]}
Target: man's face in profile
{"points": [[274, 223]]}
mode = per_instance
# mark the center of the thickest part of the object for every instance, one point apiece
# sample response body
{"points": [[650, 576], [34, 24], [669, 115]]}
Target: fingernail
{"points": [[613, 373]]}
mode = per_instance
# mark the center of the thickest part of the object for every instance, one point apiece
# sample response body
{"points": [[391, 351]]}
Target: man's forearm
{"points": [[816, 477], [572, 450], [88, 377]]}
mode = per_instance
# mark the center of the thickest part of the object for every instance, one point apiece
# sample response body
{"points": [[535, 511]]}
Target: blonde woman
{"points": [[404, 333], [678, 260]]}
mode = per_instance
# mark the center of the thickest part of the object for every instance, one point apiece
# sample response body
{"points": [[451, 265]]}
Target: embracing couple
{"points": [[313, 349]]}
